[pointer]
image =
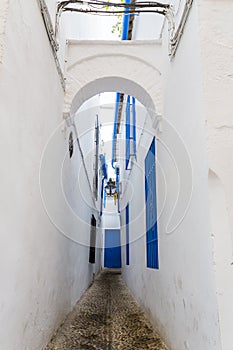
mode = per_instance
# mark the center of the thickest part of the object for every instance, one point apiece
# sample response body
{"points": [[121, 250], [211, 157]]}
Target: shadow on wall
{"points": [[222, 254], [218, 207]]}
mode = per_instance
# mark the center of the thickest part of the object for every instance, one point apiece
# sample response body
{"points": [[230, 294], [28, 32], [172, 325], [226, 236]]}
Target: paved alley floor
{"points": [[106, 318]]}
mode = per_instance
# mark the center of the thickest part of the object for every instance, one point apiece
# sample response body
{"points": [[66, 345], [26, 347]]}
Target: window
{"points": [[151, 209], [130, 132], [92, 240], [127, 233], [71, 144]]}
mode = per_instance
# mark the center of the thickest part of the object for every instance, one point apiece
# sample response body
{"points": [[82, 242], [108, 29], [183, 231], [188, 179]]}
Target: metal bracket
{"points": [[157, 123], [69, 119], [52, 39], [175, 34]]}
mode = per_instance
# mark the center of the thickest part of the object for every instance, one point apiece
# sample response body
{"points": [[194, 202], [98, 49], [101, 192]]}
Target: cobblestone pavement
{"points": [[106, 318]]}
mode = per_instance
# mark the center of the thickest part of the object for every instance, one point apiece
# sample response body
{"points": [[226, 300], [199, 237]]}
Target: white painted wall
{"points": [[185, 309], [111, 220], [4, 7], [147, 26], [45, 240], [43, 272], [180, 297], [215, 22], [85, 119], [78, 27]]}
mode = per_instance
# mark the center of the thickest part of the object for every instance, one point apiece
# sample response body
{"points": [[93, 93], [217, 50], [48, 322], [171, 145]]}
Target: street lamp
{"points": [[110, 187]]}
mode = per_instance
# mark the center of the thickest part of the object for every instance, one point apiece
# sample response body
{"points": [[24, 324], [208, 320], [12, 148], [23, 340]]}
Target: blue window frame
{"points": [[127, 133], [130, 131], [152, 254], [127, 233]]}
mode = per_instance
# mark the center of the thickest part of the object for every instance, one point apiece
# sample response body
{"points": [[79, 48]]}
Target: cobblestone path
{"points": [[106, 318]]}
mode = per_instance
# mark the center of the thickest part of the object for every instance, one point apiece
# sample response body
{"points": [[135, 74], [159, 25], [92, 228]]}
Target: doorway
{"points": [[112, 249]]}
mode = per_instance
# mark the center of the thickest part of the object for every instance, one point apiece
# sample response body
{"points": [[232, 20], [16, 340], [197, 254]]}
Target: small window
{"points": [[71, 144], [127, 233]]}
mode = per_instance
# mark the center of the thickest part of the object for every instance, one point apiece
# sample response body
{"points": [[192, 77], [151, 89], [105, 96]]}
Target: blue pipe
{"points": [[125, 25], [105, 197], [115, 128], [124, 36], [134, 128], [103, 167], [118, 188], [101, 199], [127, 133]]}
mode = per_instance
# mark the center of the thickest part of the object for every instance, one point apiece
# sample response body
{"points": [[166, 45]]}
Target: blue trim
{"points": [[124, 36], [112, 248], [103, 166], [134, 128], [105, 197], [125, 25], [101, 197], [127, 133], [117, 188], [115, 129], [152, 248]]}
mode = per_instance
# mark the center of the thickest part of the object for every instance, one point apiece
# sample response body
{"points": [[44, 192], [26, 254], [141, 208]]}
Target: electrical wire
{"points": [[63, 4], [89, 11]]}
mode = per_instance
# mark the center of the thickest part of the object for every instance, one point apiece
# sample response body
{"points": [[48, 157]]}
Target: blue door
{"points": [[112, 250], [152, 253]]}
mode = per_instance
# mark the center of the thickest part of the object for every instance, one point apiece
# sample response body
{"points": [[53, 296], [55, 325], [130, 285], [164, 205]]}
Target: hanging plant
{"points": [[117, 27]]}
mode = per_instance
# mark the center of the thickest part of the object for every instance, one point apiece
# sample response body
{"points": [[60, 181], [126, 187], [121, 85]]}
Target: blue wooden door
{"points": [[151, 209], [112, 249]]}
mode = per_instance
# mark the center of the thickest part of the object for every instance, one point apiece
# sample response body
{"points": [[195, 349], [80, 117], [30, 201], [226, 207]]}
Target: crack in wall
{"points": [[224, 127]]}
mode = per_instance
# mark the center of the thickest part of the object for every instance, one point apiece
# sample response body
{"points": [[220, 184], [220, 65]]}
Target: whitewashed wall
{"points": [[85, 120], [43, 272], [180, 297], [216, 27]]}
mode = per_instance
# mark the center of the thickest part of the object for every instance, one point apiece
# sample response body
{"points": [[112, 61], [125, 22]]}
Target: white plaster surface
{"points": [[102, 66], [4, 6], [43, 272], [216, 26], [180, 297], [46, 202]]}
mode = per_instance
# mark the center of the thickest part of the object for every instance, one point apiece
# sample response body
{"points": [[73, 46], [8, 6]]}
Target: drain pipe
{"points": [[125, 27], [134, 128], [120, 96], [115, 130], [104, 177]]}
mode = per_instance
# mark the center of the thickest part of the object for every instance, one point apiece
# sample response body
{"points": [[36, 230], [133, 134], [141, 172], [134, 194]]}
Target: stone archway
{"points": [[130, 67]]}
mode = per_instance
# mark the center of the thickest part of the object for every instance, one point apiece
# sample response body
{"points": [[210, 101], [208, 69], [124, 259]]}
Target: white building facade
{"points": [[184, 81]]}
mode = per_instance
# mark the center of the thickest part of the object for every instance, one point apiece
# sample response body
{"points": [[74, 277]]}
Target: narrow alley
{"points": [[116, 175], [106, 317]]}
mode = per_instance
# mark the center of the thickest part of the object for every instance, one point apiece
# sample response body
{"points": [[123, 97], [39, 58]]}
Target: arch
{"points": [[112, 84], [95, 67]]}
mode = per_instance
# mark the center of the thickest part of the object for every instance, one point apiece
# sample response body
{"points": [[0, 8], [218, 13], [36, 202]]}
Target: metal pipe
{"points": [[119, 96], [115, 129], [134, 128]]}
